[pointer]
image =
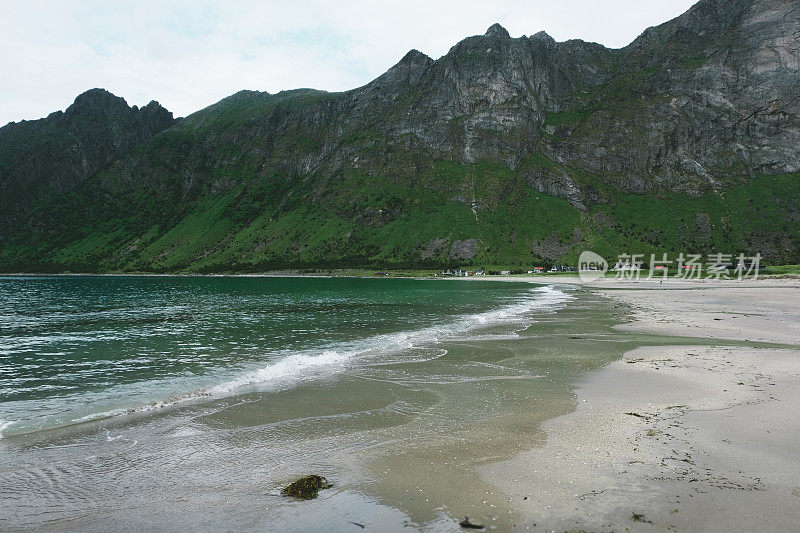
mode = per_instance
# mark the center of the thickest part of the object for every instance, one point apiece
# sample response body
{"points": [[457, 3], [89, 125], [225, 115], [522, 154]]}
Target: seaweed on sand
{"points": [[466, 524], [307, 487]]}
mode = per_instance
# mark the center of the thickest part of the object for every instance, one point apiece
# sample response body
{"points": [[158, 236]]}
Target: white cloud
{"points": [[188, 55]]}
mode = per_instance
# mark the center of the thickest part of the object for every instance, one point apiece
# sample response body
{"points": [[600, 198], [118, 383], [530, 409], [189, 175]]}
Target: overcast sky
{"points": [[189, 54]]}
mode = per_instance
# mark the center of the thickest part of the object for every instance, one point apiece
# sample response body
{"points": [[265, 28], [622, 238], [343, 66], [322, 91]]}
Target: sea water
{"points": [[169, 403]]}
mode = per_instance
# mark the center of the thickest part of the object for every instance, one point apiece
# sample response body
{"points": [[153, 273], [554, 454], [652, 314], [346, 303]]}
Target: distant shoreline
{"points": [[609, 281]]}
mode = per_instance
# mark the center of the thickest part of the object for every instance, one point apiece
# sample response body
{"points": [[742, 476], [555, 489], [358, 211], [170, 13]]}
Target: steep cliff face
{"points": [[699, 103], [486, 100], [53, 155], [704, 101], [503, 151], [490, 95]]}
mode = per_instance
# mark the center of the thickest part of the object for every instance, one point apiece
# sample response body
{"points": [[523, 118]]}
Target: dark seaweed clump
{"points": [[466, 524], [307, 487]]}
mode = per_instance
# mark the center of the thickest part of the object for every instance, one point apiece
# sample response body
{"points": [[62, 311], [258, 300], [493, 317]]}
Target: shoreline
{"points": [[360, 273], [677, 438]]}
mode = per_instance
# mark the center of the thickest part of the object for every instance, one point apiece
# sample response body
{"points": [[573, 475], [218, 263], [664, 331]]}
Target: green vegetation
{"points": [[782, 270], [566, 118], [695, 62], [272, 224]]}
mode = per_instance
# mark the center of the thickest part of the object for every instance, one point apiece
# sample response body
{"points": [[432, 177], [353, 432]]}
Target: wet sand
{"points": [[677, 438]]}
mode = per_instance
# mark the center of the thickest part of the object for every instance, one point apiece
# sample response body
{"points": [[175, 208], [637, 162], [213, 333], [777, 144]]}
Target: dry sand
{"points": [[678, 438]]}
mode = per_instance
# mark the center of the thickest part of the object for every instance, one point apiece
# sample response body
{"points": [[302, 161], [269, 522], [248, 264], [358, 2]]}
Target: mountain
{"points": [[40, 159], [504, 151]]}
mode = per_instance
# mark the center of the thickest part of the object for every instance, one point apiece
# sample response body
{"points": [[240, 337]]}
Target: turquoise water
{"points": [[75, 349]]}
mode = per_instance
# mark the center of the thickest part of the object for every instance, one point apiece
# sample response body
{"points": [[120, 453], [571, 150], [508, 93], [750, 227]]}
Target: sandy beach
{"points": [[678, 438]]}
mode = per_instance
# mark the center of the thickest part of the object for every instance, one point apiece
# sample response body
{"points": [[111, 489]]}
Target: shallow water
{"points": [[185, 403]]}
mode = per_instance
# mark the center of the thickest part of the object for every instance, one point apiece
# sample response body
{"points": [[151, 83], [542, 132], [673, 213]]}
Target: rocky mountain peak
{"points": [[64, 149], [544, 37], [415, 57], [406, 72], [157, 114], [97, 98], [496, 30]]}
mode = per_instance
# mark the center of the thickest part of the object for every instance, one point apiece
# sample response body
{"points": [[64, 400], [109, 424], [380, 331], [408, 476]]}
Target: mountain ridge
{"points": [[503, 151]]}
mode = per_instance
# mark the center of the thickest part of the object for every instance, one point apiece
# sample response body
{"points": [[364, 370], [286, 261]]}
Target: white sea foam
{"points": [[3, 425], [288, 368]]}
